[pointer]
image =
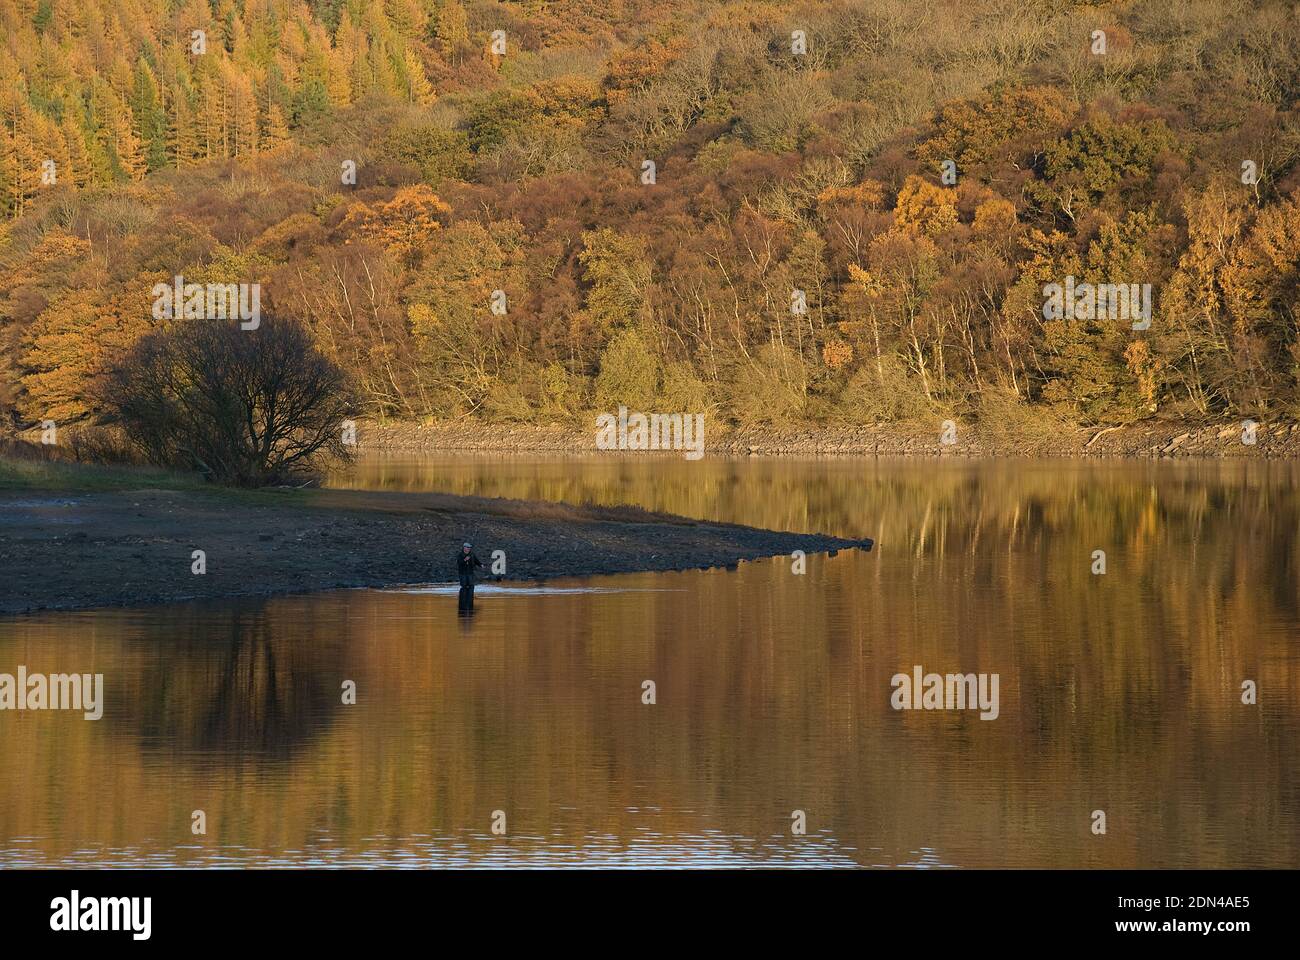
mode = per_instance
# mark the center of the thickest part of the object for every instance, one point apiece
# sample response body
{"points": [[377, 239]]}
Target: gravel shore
{"points": [[67, 550], [1150, 440]]}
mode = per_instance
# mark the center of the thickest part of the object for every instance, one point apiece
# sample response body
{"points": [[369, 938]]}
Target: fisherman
{"points": [[465, 564]]}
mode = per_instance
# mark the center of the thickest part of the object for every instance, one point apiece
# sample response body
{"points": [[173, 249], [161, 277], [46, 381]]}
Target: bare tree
{"points": [[247, 407]]}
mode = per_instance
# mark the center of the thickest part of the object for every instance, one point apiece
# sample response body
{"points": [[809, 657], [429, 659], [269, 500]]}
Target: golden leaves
{"points": [[402, 225]]}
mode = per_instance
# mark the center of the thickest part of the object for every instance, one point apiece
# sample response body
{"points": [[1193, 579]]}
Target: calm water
{"points": [[1119, 692]]}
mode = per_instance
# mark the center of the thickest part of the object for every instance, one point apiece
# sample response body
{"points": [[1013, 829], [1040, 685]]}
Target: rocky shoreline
{"points": [[1278, 439], [72, 550]]}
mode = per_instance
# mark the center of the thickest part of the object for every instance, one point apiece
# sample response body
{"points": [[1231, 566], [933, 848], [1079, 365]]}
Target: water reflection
{"points": [[229, 681], [1119, 692]]}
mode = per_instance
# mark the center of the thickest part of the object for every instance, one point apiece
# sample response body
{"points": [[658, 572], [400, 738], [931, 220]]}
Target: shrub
{"points": [[629, 374], [562, 392], [683, 390], [438, 152], [885, 394], [767, 390]]}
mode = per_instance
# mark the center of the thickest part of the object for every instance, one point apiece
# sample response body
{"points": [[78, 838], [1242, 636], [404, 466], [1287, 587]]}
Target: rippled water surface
{"points": [[1119, 692]]}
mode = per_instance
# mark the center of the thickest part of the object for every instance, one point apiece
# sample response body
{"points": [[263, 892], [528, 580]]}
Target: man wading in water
{"points": [[465, 564]]}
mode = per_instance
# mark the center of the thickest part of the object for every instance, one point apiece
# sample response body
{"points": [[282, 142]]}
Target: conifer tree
{"points": [[453, 29], [150, 120], [418, 88]]}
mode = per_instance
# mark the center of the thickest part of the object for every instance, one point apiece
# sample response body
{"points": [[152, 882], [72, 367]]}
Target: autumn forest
{"points": [[837, 212]]}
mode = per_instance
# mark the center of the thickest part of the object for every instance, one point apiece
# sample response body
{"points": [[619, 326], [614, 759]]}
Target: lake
{"points": [[1120, 692]]}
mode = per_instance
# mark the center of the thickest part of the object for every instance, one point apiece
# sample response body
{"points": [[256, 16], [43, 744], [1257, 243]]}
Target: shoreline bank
{"points": [[71, 550], [1279, 439]]}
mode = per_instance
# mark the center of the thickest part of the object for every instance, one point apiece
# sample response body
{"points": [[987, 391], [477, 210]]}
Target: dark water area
{"points": [[1118, 692]]}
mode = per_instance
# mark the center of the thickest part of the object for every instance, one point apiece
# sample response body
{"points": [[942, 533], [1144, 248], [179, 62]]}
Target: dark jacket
{"points": [[465, 564]]}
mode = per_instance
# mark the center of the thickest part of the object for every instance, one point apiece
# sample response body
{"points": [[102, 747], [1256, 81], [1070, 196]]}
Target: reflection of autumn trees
{"points": [[239, 686], [1119, 692]]}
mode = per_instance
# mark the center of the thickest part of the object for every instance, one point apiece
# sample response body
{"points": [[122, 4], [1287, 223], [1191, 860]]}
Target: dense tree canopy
{"points": [[664, 202]]}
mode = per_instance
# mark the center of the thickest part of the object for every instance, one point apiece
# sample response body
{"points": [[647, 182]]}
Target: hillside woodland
{"points": [[814, 213]]}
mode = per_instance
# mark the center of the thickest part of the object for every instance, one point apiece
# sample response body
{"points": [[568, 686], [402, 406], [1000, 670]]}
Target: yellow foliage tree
{"points": [[925, 208], [73, 343], [402, 225]]}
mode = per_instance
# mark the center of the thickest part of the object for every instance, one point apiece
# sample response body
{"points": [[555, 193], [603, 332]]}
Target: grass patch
{"points": [[19, 474]]}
